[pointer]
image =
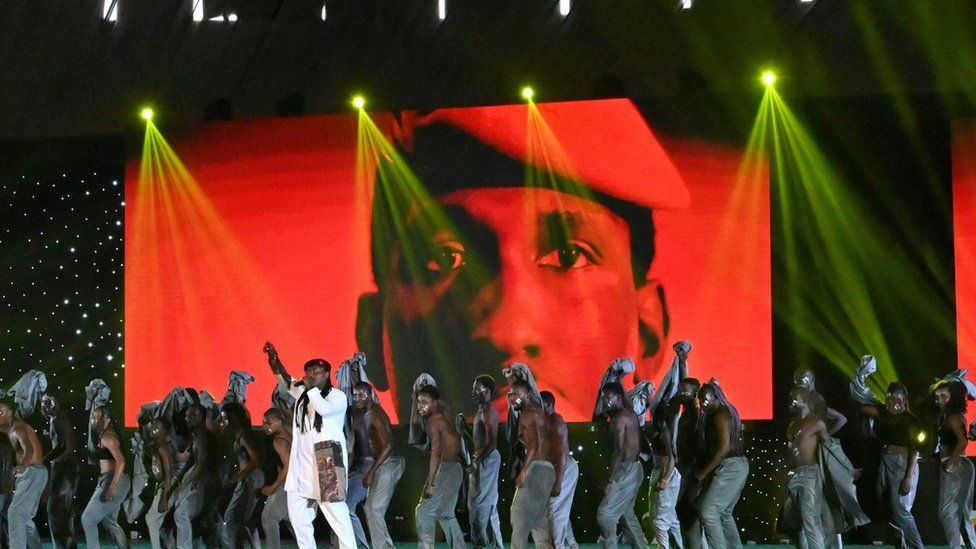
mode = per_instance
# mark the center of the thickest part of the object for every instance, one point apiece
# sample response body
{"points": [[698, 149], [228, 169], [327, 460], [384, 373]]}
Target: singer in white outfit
{"points": [[317, 466]]}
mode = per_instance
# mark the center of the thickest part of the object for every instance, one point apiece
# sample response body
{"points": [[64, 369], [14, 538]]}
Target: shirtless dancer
{"points": [[486, 463], [557, 531], [384, 474], [723, 471], [804, 490], [31, 479], [835, 421], [276, 506], [64, 473], [537, 476], [248, 479], [443, 477], [196, 478], [360, 462], [626, 474]]}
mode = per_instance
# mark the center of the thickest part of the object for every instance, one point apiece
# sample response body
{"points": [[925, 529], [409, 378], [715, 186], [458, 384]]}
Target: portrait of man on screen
{"points": [[518, 237]]}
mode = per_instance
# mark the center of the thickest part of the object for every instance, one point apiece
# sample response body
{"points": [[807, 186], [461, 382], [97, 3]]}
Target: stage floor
{"points": [[413, 545]]}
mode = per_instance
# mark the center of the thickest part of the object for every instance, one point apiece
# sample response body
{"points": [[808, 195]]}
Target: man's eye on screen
{"points": [[570, 255], [446, 258]]}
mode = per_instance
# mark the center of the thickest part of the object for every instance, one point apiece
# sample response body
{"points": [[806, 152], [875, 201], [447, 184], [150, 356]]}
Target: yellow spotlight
{"points": [[921, 437], [768, 78], [528, 93], [146, 114], [359, 102]]}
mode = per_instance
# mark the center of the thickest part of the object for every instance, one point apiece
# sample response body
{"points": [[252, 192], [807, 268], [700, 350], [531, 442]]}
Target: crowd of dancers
{"points": [[329, 447]]}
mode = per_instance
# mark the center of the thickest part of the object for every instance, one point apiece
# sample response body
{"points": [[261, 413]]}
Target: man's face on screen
{"points": [[516, 275]]}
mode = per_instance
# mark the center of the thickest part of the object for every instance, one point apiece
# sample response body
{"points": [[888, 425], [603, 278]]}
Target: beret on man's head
{"points": [[603, 145]]}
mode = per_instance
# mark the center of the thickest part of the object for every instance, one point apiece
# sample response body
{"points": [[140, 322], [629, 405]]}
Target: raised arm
{"points": [[277, 368]]}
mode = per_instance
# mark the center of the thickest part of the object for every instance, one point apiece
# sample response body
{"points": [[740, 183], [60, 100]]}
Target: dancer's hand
{"points": [[269, 348], [368, 479], [111, 493], [951, 466], [428, 491], [906, 487], [661, 485]]}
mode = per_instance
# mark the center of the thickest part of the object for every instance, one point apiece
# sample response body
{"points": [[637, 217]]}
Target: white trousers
{"points": [[302, 511]]}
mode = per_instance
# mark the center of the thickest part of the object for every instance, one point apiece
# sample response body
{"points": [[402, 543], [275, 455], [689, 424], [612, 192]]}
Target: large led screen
{"points": [[964, 226], [452, 242]]}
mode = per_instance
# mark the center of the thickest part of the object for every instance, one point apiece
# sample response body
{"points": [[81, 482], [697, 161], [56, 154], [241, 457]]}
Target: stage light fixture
{"points": [[147, 114], [442, 9], [358, 101], [686, 4], [110, 10], [564, 7], [768, 78], [528, 93], [920, 437]]}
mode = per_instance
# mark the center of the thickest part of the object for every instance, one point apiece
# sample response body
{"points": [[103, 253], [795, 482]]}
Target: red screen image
{"points": [[964, 239], [274, 233]]}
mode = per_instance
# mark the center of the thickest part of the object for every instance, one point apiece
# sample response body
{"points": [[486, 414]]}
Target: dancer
{"points": [[804, 377], [897, 430], [360, 462], [537, 475], [626, 474], [197, 479], [113, 483], [724, 470], [317, 463], [276, 506], [956, 478], [557, 531], [8, 462], [387, 466], [485, 466], [686, 441], [163, 470], [63, 465], [30, 479], [444, 475], [248, 479], [804, 489], [665, 479]]}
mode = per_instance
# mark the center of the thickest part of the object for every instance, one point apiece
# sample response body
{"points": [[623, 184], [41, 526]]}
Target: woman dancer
{"points": [[956, 478], [113, 484]]}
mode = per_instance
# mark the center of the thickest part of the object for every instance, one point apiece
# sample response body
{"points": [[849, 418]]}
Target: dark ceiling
{"points": [[66, 71]]}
